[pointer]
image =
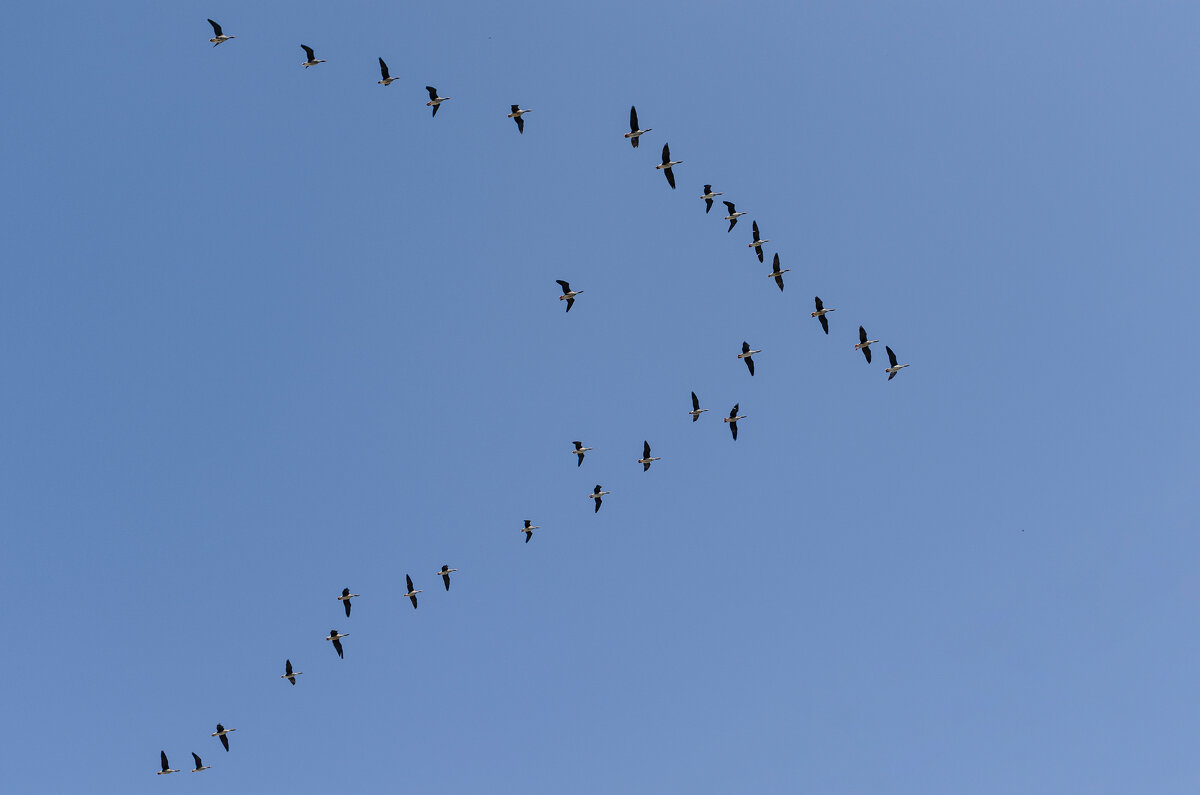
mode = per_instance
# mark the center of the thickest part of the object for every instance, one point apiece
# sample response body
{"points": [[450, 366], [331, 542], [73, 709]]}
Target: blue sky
{"points": [[271, 332]]}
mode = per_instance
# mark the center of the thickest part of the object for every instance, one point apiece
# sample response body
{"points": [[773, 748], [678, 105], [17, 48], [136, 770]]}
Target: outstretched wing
{"points": [[707, 205], [566, 287], [866, 349], [824, 322], [750, 364], [383, 70], [217, 33], [645, 449], [307, 51], [695, 402], [570, 303], [199, 764], [817, 300], [733, 430], [891, 355], [408, 580], [670, 177], [633, 122], [862, 335], [520, 124], [432, 92]]}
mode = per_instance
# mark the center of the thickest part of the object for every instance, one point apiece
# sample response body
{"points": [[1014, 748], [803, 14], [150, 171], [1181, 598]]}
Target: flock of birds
{"points": [[569, 295]]}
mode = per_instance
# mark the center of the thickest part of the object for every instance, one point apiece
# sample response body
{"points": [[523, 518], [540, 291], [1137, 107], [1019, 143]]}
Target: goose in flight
{"points": [[434, 100], [337, 641], [579, 451], [166, 768], [528, 530], [411, 593], [516, 116], [646, 460], [635, 132], [222, 732], [895, 368], [445, 572], [708, 198], [733, 216], [345, 599], [199, 765], [732, 419], [666, 164], [777, 274], [383, 72], [218, 36], [821, 312], [864, 344], [312, 61], [696, 410], [757, 243], [746, 354], [568, 294], [288, 673], [596, 495]]}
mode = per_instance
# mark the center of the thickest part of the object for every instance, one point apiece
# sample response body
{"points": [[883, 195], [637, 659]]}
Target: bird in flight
{"points": [[345, 599], [288, 673], [412, 594], [696, 410], [222, 732], [895, 368], [732, 420], [445, 572], [218, 36], [337, 641], [777, 274], [528, 530], [733, 216], [434, 100], [821, 312], [666, 164], [516, 116], [312, 61], [596, 495], [708, 198], [383, 71], [635, 132], [745, 356], [646, 460], [199, 765], [166, 767], [579, 451], [864, 344], [568, 294], [757, 243]]}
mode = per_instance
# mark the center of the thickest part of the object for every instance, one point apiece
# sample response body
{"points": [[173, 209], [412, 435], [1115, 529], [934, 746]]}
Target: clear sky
{"points": [[270, 332]]}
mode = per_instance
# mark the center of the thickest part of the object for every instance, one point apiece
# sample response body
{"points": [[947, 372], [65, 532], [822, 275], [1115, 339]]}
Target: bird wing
{"points": [[346, 602], [891, 355], [707, 205], [824, 322], [163, 756], [866, 352], [775, 263], [337, 644], [862, 335], [733, 429], [633, 123], [225, 741], [760, 254], [566, 288], [646, 467], [745, 347], [446, 579], [287, 666], [892, 374], [570, 303], [750, 364], [308, 51], [435, 110], [598, 501], [520, 124], [414, 601], [199, 764], [579, 463], [577, 444], [645, 449], [515, 107], [820, 305], [528, 535], [408, 580], [383, 70], [695, 402], [432, 92], [666, 153], [754, 228], [707, 189], [732, 224], [670, 177], [730, 206], [216, 27], [733, 413], [597, 489], [779, 281]]}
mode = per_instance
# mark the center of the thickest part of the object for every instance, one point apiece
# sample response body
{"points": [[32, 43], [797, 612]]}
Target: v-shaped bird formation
{"points": [[666, 165]]}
